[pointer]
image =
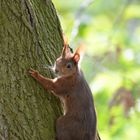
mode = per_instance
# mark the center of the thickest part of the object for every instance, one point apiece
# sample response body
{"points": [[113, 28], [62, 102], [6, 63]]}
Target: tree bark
{"points": [[30, 36]]}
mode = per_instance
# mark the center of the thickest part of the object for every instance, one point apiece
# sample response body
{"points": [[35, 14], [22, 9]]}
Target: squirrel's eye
{"points": [[69, 65]]}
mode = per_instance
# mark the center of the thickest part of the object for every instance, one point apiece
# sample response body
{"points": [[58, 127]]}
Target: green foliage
{"points": [[110, 31]]}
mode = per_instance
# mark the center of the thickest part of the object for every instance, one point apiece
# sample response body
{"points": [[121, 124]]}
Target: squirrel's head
{"points": [[67, 63]]}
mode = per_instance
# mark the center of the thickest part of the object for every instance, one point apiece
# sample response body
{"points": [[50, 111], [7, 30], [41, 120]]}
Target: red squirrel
{"points": [[79, 119]]}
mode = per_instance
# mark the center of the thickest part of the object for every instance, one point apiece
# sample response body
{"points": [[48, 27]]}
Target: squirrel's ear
{"points": [[79, 53], [76, 57], [65, 39], [66, 50]]}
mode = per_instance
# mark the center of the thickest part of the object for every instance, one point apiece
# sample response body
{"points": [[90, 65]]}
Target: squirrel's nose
{"points": [[56, 70]]}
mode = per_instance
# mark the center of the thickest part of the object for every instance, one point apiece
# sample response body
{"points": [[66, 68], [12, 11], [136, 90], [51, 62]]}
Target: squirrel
{"points": [[79, 120]]}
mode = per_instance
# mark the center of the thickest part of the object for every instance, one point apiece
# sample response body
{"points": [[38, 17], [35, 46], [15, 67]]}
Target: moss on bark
{"points": [[31, 36]]}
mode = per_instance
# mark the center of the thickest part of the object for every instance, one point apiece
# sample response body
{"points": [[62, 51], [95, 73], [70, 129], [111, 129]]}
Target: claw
{"points": [[33, 72]]}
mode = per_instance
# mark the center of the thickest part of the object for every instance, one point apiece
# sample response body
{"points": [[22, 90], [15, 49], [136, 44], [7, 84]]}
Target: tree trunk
{"points": [[30, 36]]}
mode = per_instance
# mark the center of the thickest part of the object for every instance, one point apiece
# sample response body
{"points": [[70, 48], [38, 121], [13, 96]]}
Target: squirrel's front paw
{"points": [[33, 73]]}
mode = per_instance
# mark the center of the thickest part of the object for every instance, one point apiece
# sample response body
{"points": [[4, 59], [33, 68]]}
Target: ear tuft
{"points": [[65, 39], [76, 57], [66, 49]]}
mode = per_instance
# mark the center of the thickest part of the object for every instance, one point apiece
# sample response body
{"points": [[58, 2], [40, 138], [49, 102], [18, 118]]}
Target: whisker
{"points": [[49, 67]]}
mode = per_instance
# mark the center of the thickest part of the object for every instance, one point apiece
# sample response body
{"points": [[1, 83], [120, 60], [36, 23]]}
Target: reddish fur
{"points": [[79, 120]]}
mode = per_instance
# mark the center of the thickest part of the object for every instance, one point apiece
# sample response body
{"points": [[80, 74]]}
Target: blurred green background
{"points": [[110, 31]]}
